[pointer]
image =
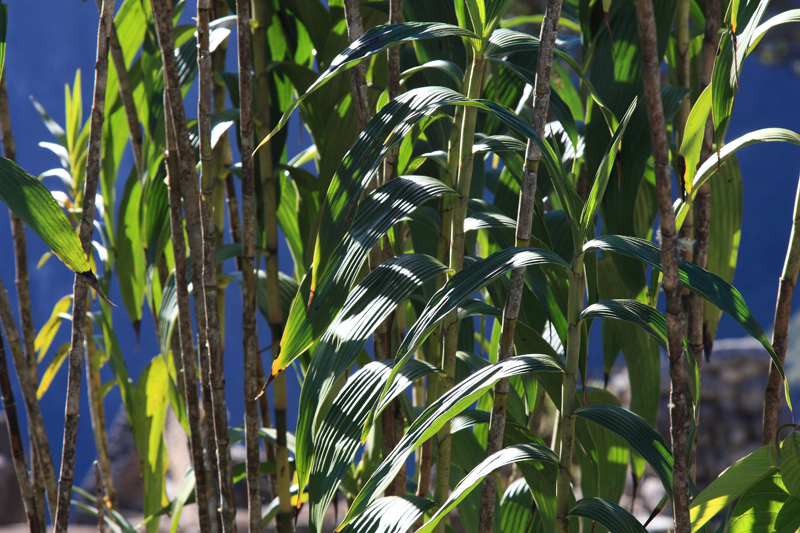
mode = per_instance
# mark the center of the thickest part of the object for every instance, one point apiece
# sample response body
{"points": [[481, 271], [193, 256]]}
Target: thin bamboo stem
{"points": [[251, 386], [451, 325], [680, 416], [355, 29], [204, 300], [43, 472], [100, 502], [780, 334], [682, 70], [702, 206], [270, 224], [540, 104], [80, 291], [17, 448], [186, 342], [569, 383], [97, 413], [214, 350]]}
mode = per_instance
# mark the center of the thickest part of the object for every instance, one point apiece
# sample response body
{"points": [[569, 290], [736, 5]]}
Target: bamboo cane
{"points": [[76, 350], [679, 410]]}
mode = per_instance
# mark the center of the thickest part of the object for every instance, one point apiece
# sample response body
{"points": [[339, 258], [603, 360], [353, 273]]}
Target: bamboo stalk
{"points": [[355, 29], [43, 472], [185, 326], [251, 386], [209, 261], [17, 448], [97, 413], [780, 333], [435, 339], [80, 292], [100, 503], [680, 416], [682, 70], [451, 325], [540, 104], [204, 300], [702, 204], [569, 382]]}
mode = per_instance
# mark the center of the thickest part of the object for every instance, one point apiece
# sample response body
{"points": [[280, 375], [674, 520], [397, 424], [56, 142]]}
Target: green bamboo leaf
{"points": [[603, 173], [730, 484], [448, 67], [186, 53], [48, 332], [693, 136], [221, 121], [708, 284], [611, 515], [714, 162], [759, 507], [394, 514], [477, 13], [368, 304], [376, 214], [516, 507], [131, 260], [460, 287], [52, 370], [792, 15], [729, 61], [182, 495], [372, 42], [512, 454], [641, 437], [337, 438], [725, 229], [35, 205], [439, 413]]}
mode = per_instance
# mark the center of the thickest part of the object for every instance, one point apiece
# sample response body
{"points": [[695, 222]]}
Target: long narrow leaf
{"points": [[611, 515]]}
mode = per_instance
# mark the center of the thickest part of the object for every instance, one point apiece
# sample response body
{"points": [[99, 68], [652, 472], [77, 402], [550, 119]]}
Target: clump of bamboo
{"points": [[17, 449], [679, 410], [80, 291], [540, 104], [250, 342], [24, 355]]}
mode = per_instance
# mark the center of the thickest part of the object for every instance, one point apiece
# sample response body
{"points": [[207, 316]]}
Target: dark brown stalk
{"points": [[702, 203], [17, 448], [250, 342], [126, 95], [540, 103], [233, 215], [680, 416], [780, 334], [209, 260], [682, 70], [97, 412], [44, 476], [185, 326], [204, 300], [80, 291], [100, 503]]}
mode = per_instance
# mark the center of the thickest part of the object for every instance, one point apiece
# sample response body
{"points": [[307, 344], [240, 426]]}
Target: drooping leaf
{"points": [[368, 305], [372, 42], [511, 454], [394, 514], [48, 332], [439, 413], [642, 438], [337, 437], [377, 213], [611, 515], [730, 484], [516, 507], [708, 284], [52, 370], [759, 506]]}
